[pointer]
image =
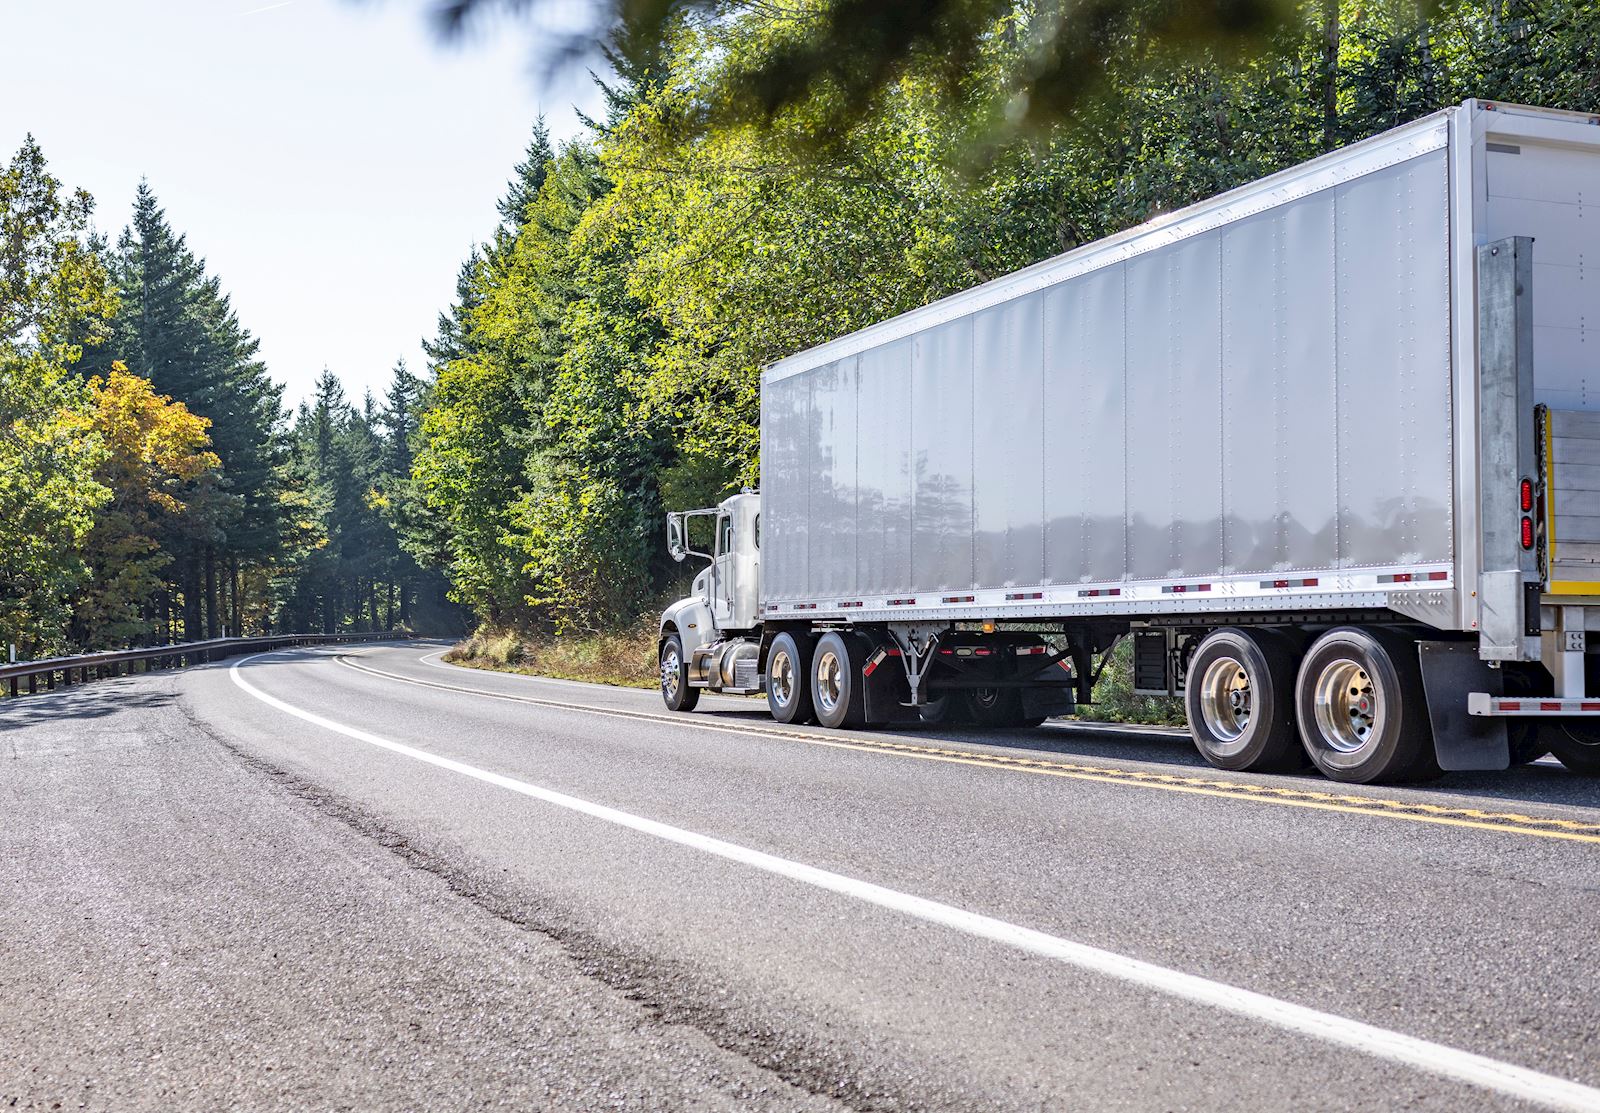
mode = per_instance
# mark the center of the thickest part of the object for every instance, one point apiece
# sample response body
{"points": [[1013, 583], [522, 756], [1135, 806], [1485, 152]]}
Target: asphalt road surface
{"points": [[362, 879]]}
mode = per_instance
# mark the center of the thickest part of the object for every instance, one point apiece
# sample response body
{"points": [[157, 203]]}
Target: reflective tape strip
{"points": [[1413, 577], [1481, 703]]}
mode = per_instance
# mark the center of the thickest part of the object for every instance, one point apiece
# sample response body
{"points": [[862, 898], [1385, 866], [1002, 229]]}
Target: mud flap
{"points": [[1049, 702], [885, 693], [1449, 671]]}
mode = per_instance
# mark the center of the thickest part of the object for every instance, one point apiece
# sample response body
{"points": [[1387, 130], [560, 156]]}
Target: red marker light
{"points": [[1527, 495], [1527, 533]]}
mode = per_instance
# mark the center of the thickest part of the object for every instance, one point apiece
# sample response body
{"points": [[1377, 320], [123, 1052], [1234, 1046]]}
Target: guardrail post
{"points": [[33, 685], [50, 680], [13, 687]]}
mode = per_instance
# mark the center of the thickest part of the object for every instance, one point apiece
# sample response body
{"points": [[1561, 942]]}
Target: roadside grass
{"points": [[627, 659]]}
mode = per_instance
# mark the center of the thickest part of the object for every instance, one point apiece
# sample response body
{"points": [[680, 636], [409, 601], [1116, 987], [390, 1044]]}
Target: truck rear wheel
{"points": [[789, 679], [1575, 742], [995, 707], [836, 690], [1362, 713], [675, 688], [1240, 700], [941, 710]]}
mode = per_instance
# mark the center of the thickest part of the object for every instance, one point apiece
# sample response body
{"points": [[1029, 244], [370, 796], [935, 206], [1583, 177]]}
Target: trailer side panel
{"points": [[1231, 402]]}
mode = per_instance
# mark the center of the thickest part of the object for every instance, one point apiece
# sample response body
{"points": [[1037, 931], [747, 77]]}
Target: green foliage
{"points": [[48, 498], [145, 509], [349, 465], [1115, 701], [161, 475], [177, 327], [843, 55], [54, 299]]}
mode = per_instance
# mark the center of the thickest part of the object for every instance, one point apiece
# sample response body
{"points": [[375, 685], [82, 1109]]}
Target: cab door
{"points": [[722, 584]]}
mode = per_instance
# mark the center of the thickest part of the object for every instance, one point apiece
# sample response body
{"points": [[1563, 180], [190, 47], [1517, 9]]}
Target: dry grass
{"points": [[626, 658]]}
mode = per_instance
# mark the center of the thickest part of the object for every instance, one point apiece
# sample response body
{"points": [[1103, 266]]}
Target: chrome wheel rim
{"points": [[781, 681], [829, 683], [1226, 702], [670, 669], [1349, 708]]}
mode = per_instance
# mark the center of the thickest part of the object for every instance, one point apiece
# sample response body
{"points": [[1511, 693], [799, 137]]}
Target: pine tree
{"points": [[523, 188], [178, 328], [454, 338]]}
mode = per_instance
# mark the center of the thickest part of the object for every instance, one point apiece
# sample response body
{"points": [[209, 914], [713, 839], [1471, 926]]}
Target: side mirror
{"points": [[675, 542]]}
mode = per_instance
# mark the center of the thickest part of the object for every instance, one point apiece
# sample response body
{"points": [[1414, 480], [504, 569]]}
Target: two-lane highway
{"points": [[363, 878]]}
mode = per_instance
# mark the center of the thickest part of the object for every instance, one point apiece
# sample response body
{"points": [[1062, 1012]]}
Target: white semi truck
{"points": [[1325, 447]]}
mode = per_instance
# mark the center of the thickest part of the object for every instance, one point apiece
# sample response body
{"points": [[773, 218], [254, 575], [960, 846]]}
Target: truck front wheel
{"points": [[1240, 700], [675, 688], [789, 679]]}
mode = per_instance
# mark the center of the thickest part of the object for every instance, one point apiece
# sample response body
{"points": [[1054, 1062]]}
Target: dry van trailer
{"points": [[1343, 419]]}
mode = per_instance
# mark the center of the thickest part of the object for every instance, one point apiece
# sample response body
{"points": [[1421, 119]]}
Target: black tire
{"points": [[994, 707], [837, 692], [942, 710], [789, 679], [1575, 742], [675, 688], [1362, 714], [1240, 701], [1526, 742]]}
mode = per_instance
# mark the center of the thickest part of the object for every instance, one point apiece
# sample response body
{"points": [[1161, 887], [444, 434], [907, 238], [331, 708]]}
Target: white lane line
{"points": [[1435, 1058]]}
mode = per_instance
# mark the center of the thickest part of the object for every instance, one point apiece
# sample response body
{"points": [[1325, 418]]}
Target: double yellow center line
{"points": [[1511, 823]]}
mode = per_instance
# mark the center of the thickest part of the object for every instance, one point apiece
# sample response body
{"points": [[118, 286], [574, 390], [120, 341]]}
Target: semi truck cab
{"points": [[713, 630]]}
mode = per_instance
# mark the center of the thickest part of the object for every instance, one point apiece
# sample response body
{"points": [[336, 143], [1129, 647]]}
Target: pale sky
{"points": [[332, 160]]}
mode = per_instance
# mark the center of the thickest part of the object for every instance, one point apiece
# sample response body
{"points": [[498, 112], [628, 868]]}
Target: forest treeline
{"points": [[152, 487], [601, 359]]}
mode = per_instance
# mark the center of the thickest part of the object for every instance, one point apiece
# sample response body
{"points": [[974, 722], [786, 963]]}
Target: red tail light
{"points": [[1527, 495], [1527, 533]]}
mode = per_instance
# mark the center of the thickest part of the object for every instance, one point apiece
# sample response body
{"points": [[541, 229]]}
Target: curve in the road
{"points": [[1416, 811], [1449, 1062]]}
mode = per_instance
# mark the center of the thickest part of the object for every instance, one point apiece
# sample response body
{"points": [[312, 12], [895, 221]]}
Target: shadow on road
{"points": [[93, 700], [1542, 783]]}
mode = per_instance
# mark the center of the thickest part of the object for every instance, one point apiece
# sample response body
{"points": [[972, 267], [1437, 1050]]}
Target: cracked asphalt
{"points": [[208, 903]]}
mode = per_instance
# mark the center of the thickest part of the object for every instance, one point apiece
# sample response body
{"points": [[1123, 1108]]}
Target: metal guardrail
{"points": [[119, 662]]}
